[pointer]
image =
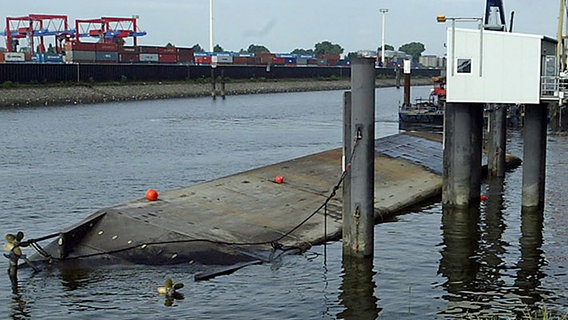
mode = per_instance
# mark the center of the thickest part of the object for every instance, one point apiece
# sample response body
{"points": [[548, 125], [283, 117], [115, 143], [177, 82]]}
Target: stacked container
{"points": [[149, 54], [222, 58], [14, 57], [106, 53], [185, 55], [128, 54], [80, 52], [167, 55]]}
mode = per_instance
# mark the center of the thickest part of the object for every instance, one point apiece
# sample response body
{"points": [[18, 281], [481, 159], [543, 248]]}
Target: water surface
{"points": [[60, 164]]}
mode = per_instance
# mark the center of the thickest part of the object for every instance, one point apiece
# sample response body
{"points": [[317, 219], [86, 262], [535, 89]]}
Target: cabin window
{"points": [[464, 65]]}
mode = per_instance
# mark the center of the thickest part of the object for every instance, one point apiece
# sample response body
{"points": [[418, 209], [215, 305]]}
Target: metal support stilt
{"points": [[534, 155], [463, 137], [358, 222], [497, 140]]}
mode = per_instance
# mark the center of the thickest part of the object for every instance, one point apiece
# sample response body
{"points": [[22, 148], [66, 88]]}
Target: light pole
{"points": [[383, 11], [442, 19], [211, 26]]}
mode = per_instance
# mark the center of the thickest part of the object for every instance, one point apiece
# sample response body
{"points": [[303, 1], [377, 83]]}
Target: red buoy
{"points": [[484, 198], [279, 179], [152, 195]]}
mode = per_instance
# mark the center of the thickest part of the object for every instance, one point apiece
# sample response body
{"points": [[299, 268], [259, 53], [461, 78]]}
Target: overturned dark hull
{"points": [[248, 217]]}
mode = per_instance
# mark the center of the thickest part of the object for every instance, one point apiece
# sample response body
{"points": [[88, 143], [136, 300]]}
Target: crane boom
{"points": [[561, 37]]}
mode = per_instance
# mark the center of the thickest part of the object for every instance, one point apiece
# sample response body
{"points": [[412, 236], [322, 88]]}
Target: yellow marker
{"points": [[441, 18]]}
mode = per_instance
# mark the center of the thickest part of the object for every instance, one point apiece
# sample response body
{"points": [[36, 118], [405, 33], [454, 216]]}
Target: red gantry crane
{"points": [[108, 29], [36, 26]]}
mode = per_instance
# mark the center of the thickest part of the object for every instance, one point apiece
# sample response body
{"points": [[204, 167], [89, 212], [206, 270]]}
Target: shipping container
{"points": [[184, 50], [128, 57], [53, 58], [222, 59], [128, 49], [185, 56], [106, 47], [15, 57], [240, 60], [199, 59], [149, 57], [47, 58], [149, 49], [247, 55], [168, 57], [167, 50], [285, 55], [265, 58], [80, 46], [2, 59], [290, 61], [253, 61], [279, 61], [106, 57], [301, 61], [80, 56]]}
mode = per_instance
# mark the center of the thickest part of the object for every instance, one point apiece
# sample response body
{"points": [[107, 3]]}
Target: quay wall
{"points": [[84, 72], [44, 95]]}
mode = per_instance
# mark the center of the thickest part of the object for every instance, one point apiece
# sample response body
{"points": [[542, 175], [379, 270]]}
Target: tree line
{"points": [[414, 49]]}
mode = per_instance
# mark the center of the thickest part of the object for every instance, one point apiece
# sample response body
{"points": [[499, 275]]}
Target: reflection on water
{"points": [[493, 227], [473, 264], [459, 263], [532, 259], [76, 278], [19, 309], [358, 290]]}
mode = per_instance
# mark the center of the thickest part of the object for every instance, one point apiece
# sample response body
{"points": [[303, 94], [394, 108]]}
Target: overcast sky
{"points": [[285, 25]]}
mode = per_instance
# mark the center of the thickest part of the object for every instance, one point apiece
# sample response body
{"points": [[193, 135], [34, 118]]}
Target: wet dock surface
{"points": [[246, 216]]}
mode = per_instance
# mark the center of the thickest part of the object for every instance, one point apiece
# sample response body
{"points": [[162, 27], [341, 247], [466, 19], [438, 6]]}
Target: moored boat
{"points": [[425, 113]]}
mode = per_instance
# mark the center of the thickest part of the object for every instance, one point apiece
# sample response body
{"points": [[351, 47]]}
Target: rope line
{"points": [[274, 243]]}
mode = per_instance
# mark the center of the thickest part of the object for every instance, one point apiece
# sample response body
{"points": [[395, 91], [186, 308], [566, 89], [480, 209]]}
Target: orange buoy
{"points": [[152, 195], [484, 198], [279, 179]]}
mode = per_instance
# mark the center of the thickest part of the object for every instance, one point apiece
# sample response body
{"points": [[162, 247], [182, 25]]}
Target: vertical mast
{"points": [[211, 26]]}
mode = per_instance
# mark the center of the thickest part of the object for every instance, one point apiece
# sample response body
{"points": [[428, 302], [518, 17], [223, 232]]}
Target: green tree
{"points": [[327, 47], [414, 48], [253, 48], [218, 48], [303, 51], [169, 45], [197, 48], [352, 55], [387, 47]]}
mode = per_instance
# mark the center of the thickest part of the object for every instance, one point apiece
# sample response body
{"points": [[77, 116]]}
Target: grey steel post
{"points": [[463, 139], [346, 164], [534, 155], [359, 222], [213, 89], [223, 83], [497, 142], [406, 67]]}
